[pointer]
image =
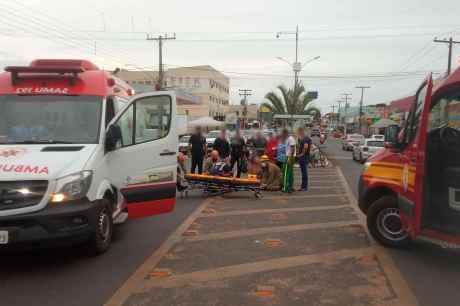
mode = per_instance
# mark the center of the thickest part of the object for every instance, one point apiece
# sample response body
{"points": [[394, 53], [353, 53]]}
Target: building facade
{"points": [[211, 87]]}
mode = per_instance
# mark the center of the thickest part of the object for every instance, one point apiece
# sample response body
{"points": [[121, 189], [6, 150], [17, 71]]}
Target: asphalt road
{"points": [[68, 277], [433, 273]]}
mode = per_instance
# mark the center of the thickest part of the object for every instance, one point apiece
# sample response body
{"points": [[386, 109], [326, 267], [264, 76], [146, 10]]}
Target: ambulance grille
{"points": [[20, 194]]}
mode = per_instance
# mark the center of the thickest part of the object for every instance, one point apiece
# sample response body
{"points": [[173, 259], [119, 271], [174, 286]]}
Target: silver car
{"points": [[367, 148], [351, 140]]}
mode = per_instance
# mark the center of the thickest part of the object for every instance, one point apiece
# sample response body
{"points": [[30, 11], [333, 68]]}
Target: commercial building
{"points": [[208, 85]]}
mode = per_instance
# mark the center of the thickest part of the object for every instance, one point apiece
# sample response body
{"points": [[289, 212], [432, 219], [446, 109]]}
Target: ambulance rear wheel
{"points": [[101, 239], [385, 225]]}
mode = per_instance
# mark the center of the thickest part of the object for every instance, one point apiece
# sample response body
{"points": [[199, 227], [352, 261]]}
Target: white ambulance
{"points": [[79, 153]]}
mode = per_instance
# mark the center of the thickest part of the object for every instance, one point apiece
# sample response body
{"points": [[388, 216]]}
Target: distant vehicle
{"points": [[367, 148], [184, 144], [378, 137], [350, 141], [211, 137], [315, 132]]}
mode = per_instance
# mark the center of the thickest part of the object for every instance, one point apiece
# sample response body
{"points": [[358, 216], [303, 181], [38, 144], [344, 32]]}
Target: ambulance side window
{"points": [[153, 118], [126, 124], [109, 111]]}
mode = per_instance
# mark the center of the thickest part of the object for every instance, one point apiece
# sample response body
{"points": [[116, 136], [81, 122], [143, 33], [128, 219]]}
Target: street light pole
{"points": [[296, 66]]}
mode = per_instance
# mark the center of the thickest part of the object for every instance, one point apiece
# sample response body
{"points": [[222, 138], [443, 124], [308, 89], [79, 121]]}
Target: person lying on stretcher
{"points": [[217, 167]]}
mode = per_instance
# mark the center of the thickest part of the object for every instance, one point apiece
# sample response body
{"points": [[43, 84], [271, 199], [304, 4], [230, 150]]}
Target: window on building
{"points": [[196, 82]]}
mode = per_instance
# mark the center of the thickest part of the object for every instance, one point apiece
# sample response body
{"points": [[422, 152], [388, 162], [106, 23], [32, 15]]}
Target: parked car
{"points": [[184, 144], [211, 137], [378, 137], [367, 148], [350, 141]]}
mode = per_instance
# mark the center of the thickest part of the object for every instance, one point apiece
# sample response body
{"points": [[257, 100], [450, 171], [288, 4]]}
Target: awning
{"points": [[206, 122], [383, 123]]}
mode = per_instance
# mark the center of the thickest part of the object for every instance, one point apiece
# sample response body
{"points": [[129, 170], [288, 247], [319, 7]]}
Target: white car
{"points": [[378, 137], [184, 144], [211, 137], [351, 140], [367, 148]]}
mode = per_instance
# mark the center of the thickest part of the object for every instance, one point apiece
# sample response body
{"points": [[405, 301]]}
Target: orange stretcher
{"points": [[217, 185]]}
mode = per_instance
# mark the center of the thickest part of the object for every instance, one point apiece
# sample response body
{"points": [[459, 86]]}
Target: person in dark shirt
{"points": [[303, 156], [237, 148], [259, 143], [197, 144], [221, 145]]}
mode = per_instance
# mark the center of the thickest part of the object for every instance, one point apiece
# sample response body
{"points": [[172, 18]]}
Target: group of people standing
{"points": [[270, 159]]}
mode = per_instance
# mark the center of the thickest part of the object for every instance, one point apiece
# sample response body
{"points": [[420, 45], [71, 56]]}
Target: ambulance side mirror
{"points": [[112, 137]]}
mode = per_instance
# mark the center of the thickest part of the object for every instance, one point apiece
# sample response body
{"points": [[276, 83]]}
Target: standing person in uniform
{"points": [[221, 145], [198, 148], [288, 167], [237, 149], [303, 156]]}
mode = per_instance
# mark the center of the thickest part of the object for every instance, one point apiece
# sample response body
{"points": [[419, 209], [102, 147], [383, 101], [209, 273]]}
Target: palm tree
{"points": [[291, 102]]}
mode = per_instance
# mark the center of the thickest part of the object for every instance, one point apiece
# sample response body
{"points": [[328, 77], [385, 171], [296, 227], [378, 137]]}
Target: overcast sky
{"points": [[383, 44]]}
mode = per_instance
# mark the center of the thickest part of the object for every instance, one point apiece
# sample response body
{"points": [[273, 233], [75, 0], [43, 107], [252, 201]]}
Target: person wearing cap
{"points": [[210, 161], [271, 177]]}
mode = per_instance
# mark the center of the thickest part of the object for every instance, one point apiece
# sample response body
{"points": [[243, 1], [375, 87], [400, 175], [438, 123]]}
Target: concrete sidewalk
{"points": [[308, 248]]}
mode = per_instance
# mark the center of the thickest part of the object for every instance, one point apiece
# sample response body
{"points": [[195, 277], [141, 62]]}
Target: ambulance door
{"points": [[413, 158], [141, 144]]}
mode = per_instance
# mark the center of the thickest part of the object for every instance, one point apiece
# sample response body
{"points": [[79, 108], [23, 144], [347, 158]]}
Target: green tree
{"points": [[291, 102]]}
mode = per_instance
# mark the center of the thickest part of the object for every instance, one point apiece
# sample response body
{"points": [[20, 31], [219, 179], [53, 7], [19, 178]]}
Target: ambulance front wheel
{"points": [[101, 238], [385, 225]]}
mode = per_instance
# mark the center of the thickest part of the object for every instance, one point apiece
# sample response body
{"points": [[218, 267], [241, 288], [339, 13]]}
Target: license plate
{"points": [[4, 237]]}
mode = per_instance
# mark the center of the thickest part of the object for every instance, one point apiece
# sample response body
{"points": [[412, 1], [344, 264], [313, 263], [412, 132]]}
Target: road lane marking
{"points": [[136, 279], [271, 230], [396, 280], [270, 211], [253, 267]]}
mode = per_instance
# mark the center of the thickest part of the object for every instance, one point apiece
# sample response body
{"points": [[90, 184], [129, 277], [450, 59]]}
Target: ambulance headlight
{"points": [[72, 187]]}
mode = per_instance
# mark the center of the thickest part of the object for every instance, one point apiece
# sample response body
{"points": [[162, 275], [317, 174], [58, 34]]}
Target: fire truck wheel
{"points": [[384, 223], [100, 241]]}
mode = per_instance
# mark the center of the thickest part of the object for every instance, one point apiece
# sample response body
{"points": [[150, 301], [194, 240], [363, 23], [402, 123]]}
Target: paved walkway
{"points": [[307, 248]]}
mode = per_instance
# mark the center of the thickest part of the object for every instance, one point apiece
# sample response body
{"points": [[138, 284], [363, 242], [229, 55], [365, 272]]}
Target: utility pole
{"points": [[333, 113], [160, 40], [245, 93], [451, 42], [346, 97], [361, 105]]}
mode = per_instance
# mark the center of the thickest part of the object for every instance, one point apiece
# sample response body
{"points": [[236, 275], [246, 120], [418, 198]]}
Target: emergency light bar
{"points": [[60, 70]]}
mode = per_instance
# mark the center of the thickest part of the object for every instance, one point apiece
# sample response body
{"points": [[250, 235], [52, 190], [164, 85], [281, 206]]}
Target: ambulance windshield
{"points": [[49, 119]]}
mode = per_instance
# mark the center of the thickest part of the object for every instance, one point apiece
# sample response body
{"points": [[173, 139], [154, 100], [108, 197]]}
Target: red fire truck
{"points": [[412, 188]]}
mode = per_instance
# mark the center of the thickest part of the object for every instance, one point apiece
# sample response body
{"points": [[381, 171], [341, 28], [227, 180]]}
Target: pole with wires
{"points": [[160, 40], [245, 93], [361, 106], [451, 42]]}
